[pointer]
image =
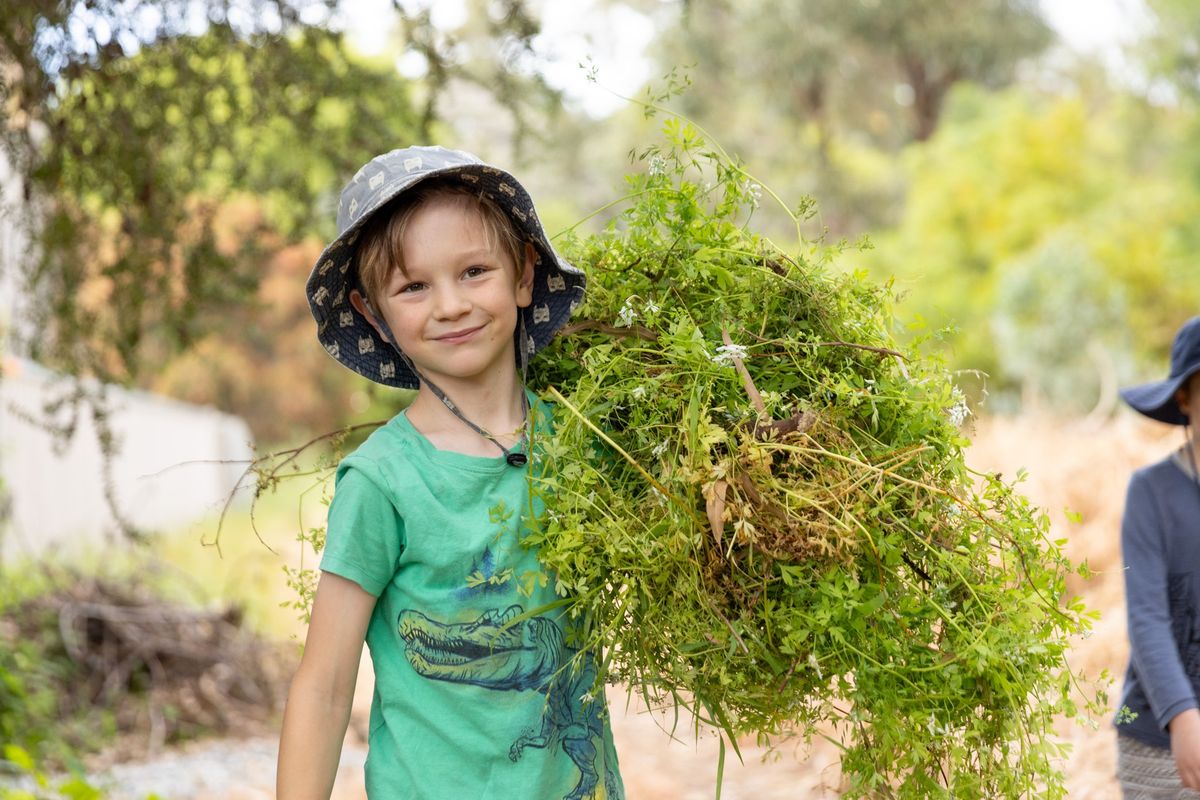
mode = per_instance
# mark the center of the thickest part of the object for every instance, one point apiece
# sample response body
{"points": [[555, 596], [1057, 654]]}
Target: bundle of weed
{"points": [[758, 505]]}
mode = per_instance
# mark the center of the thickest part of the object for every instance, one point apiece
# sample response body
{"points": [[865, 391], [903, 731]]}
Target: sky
{"points": [[614, 38]]}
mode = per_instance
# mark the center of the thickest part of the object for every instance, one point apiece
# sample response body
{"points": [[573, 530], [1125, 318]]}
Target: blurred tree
{"points": [[1008, 174], [1171, 47], [128, 158], [811, 90], [491, 51], [169, 149], [263, 362], [840, 63], [1061, 328]]}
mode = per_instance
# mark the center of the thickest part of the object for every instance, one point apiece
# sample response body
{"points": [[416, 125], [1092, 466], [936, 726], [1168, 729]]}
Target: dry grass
{"points": [[1083, 469]]}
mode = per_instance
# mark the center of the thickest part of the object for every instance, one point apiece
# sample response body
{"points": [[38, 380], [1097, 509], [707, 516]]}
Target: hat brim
{"points": [[1157, 400]]}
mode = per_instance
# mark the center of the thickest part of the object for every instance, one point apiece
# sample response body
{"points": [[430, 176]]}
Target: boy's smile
{"points": [[454, 309]]}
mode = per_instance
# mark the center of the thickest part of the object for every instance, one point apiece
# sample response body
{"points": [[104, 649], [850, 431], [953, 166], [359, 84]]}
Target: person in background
{"points": [[1158, 724]]}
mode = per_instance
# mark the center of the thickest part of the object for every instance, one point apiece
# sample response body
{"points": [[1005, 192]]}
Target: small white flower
{"points": [[650, 307], [658, 165], [958, 412], [626, 315], [638, 392], [755, 193], [726, 353], [659, 448]]}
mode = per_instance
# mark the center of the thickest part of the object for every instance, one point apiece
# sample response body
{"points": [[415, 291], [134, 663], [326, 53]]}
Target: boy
{"points": [[1158, 749], [442, 279]]}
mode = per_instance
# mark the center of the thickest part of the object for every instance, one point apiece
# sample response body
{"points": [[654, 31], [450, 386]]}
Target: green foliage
{"points": [[140, 252], [35, 714], [992, 197], [1059, 324], [1172, 47], [19, 759], [799, 545], [820, 94]]}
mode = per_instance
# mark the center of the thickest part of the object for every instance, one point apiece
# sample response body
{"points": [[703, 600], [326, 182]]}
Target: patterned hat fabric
{"points": [[347, 336]]}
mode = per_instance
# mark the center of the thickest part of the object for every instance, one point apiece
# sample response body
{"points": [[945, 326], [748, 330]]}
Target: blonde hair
{"points": [[381, 243]]}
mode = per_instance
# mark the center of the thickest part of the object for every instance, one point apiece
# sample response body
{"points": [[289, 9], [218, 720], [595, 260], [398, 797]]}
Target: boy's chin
{"points": [[468, 371]]}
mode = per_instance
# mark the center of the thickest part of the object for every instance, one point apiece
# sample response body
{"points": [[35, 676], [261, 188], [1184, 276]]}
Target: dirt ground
{"points": [[1071, 465]]}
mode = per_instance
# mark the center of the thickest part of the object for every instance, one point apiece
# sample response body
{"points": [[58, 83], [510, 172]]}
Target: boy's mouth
{"points": [[454, 337]]}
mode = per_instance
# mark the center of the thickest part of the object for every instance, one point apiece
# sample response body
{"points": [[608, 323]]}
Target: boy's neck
{"points": [[496, 406]]}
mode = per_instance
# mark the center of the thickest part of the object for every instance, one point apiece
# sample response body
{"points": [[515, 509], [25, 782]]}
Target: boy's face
{"points": [[454, 310]]}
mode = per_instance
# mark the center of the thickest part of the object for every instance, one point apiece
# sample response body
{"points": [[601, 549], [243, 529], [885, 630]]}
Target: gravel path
{"points": [[221, 769], [653, 766]]}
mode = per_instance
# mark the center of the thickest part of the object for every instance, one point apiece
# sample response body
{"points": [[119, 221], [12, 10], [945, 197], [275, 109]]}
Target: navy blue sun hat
{"points": [[346, 335], [1157, 400]]}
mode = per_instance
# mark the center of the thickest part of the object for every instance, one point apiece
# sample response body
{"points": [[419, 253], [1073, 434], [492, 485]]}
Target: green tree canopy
{"points": [[1007, 175], [810, 92], [171, 151]]}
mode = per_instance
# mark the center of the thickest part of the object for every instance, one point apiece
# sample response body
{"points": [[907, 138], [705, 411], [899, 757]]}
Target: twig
{"points": [[799, 422], [638, 331], [838, 343], [268, 475], [751, 390], [882, 350]]}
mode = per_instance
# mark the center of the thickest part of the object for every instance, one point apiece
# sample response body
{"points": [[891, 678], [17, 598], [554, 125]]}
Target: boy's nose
{"points": [[450, 304]]}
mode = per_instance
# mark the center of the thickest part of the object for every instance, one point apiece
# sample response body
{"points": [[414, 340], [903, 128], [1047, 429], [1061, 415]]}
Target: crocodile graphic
{"points": [[496, 653]]}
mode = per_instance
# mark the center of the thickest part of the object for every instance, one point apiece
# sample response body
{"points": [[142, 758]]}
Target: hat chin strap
{"points": [[513, 455]]}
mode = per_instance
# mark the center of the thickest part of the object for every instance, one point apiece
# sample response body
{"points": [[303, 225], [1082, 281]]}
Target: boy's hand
{"points": [[1185, 746]]}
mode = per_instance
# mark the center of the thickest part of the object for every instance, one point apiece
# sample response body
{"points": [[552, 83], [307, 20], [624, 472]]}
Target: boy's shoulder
{"points": [[389, 444]]}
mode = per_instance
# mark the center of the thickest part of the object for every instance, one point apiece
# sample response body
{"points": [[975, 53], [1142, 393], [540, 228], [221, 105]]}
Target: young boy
{"points": [[1158, 750], [442, 279]]}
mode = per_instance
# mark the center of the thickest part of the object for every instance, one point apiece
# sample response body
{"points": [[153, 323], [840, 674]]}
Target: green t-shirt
{"points": [[467, 703]]}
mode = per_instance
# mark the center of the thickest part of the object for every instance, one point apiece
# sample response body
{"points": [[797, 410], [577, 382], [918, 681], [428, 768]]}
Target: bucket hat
{"points": [[347, 336], [1157, 400]]}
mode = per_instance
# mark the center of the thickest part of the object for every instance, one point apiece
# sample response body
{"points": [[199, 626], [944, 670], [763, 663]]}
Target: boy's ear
{"points": [[363, 307], [525, 282]]}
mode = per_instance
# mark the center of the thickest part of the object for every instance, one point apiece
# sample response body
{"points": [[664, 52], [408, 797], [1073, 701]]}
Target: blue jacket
{"points": [[1160, 546]]}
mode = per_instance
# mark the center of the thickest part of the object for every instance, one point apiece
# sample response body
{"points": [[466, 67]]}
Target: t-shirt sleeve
{"points": [[1151, 642], [365, 534]]}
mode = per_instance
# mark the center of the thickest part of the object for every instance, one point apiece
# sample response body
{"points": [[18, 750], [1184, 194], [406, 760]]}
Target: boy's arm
{"points": [[318, 704]]}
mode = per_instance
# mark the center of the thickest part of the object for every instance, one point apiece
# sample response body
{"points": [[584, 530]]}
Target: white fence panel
{"points": [[167, 471]]}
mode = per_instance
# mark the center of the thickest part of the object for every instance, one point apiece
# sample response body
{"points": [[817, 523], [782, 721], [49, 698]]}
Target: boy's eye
{"points": [[410, 288], [475, 271]]}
